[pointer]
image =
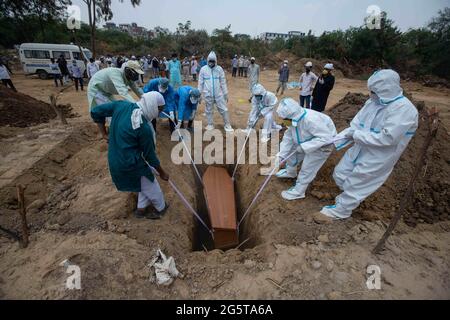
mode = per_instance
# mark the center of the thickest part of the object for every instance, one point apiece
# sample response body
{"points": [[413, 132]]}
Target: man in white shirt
{"points": [[307, 82], [92, 68]]}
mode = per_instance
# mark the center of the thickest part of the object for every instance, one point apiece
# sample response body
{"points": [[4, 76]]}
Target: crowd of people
{"points": [[378, 134]]}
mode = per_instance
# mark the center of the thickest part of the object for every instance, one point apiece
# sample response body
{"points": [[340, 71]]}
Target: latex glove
{"points": [[300, 149], [321, 81], [172, 115]]}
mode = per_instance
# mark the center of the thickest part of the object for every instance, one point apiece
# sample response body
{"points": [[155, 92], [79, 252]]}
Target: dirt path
{"points": [[77, 214]]}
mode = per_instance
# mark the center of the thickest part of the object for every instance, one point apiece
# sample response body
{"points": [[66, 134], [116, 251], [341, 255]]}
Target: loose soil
{"points": [[75, 213]]}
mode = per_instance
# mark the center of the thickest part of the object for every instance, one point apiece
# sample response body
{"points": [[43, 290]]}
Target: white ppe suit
{"points": [[381, 132], [309, 135], [263, 108], [213, 86]]}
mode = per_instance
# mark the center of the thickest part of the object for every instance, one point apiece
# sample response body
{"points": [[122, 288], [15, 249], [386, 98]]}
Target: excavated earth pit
{"points": [[75, 212]]}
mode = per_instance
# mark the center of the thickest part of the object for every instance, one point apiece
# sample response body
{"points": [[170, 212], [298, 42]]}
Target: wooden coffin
{"points": [[220, 200]]}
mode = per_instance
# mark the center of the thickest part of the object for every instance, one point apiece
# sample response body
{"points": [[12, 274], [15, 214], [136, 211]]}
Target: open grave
{"points": [[76, 213]]}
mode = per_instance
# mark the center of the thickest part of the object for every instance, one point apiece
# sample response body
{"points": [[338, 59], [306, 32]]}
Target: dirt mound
{"points": [[430, 202], [19, 110]]}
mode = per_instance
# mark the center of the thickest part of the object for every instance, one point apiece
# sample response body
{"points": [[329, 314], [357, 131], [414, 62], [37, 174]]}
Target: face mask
{"points": [[212, 64], [374, 98], [253, 62], [308, 70], [325, 72], [287, 123], [131, 75], [194, 100], [161, 89]]}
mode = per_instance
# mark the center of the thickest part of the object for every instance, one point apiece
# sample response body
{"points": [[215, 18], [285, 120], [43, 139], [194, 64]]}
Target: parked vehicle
{"points": [[35, 57]]}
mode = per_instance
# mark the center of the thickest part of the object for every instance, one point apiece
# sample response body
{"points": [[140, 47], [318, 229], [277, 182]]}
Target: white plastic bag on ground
{"points": [[165, 269]]}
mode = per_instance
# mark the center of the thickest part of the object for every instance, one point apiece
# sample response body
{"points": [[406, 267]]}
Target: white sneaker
{"points": [[228, 128], [292, 194], [284, 174], [209, 127]]}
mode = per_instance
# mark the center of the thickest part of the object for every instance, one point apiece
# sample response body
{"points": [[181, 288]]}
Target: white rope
{"points": [[262, 188], [243, 147], [182, 197], [185, 146]]}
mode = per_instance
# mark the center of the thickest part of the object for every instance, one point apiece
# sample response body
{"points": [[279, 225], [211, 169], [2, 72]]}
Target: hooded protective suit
{"points": [[309, 135], [381, 132], [213, 86], [263, 108], [186, 109]]}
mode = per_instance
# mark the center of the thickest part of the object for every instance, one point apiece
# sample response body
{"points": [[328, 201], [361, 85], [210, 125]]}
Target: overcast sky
{"points": [[257, 16]]}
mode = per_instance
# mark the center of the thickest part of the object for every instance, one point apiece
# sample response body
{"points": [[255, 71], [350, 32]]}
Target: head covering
{"points": [[285, 61], [253, 58], [329, 66], [212, 56], [289, 109], [386, 85], [258, 90], [164, 83], [195, 93], [148, 107], [309, 64], [133, 65]]}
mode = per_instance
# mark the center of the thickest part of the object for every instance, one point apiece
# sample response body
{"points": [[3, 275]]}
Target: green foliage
{"points": [[416, 52]]}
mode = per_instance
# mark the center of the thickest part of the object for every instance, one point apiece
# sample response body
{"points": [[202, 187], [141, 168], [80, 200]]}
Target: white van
{"points": [[35, 57]]}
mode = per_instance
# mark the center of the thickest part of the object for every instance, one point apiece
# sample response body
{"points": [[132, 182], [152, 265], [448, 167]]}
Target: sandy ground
{"points": [[75, 213]]}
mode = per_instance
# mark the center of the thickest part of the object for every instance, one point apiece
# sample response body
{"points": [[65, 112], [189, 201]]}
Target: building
{"points": [[125, 27], [271, 36], [110, 26], [242, 36], [132, 29]]}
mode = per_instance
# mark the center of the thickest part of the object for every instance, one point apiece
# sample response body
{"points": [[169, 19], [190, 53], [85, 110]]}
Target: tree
{"points": [[439, 60], [223, 42], [44, 10], [98, 10]]}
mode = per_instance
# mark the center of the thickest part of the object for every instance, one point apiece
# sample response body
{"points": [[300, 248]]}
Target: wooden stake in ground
{"points": [[23, 214], [433, 122], [59, 111]]}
